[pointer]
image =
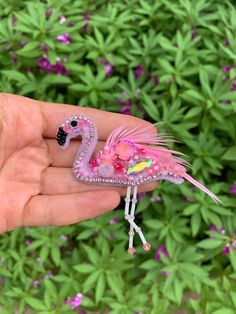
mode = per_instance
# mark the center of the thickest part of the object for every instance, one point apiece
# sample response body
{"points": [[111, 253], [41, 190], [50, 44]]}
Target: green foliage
{"points": [[187, 53]]}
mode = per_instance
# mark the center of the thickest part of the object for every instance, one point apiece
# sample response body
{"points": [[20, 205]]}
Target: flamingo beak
{"points": [[61, 137]]}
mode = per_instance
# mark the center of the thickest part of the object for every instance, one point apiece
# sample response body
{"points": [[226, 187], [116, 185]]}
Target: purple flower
{"points": [[165, 273], [49, 275], [45, 64], [114, 220], [64, 38], [226, 42], [63, 237], [48, 13], [233, 86], [140, 196], [28, 241], [44, 48], [193, 35], [107, 66], [232, 189], [35, 283], [154, 79], [23, 42], [225, 69], [87, 20], [138, 72], [59, 68], [156, 199], [187, 198], [75, 301], [214, 228], [126, 110], [234, 244], [162, 250], [62, 19], [13, 21], [14, 58], [226, 249]]}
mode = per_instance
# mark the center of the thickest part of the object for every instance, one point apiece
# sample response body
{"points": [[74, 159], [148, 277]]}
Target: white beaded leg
{"points": [[131, 249], [130, 218], [131, 230]]}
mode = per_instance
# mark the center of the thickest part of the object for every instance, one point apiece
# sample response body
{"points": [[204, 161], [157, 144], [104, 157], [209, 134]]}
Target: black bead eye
{"points": [[73, 123]]}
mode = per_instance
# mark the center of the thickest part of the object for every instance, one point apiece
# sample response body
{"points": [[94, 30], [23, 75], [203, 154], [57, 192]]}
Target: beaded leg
{"points": [[131, 249], [133, 226]]}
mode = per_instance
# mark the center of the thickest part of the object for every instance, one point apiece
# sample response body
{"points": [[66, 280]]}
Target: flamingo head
{"points": [[70, 128]]}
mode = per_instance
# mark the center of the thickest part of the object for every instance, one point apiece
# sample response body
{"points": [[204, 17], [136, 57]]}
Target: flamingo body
{"points": [[130, 157]]}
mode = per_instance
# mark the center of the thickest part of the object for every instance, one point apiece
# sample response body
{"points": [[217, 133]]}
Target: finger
{"points": [[65, 158], [106, 122], [55, 180], [57, 210]]}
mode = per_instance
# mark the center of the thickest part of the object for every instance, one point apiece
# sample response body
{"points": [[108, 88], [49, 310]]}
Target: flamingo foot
{"points": [[147, 246], [131, 250]]}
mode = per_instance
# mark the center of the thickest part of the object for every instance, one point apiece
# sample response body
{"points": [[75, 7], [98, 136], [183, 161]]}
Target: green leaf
{"points": [[108, 83], [230, 154], [195, 223], [150, 107], [15, 76], [30, 50], [100, 288], [204, 79], [91, 280], [232, 256], [56, 255], [224, 311], [85, 268], [35, 304], [209, 243]]}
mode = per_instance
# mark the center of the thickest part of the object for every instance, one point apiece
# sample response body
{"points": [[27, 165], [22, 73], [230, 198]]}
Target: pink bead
{"points": [[94, 163]]}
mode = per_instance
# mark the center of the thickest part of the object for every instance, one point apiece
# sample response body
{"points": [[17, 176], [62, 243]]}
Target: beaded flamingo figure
{"points": [[129, 158]]}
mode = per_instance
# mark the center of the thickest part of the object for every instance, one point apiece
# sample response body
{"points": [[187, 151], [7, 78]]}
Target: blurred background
{"points": [[164, 61]]}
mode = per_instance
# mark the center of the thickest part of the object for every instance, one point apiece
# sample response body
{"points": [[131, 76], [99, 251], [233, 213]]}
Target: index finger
{"points": [[106, 122]]}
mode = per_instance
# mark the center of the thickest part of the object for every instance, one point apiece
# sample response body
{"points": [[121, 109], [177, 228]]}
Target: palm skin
{"points": [[37, 187]]}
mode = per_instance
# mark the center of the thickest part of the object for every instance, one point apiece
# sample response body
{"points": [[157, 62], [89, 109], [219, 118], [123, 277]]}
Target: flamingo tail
{"points": [[201, 187]]}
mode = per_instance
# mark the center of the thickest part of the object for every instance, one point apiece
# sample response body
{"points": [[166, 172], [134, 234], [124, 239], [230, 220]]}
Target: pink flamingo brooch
{"points": [[129, 158]]}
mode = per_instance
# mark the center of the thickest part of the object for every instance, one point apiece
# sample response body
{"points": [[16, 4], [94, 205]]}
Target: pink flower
{"points": [[162, 250], [64, 38], [166, 273], [138, 72], [75, 301], [62, 19], [107, 66]]}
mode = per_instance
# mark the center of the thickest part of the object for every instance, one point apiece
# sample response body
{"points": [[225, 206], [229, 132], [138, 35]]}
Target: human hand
{"points": [[37, 187]]}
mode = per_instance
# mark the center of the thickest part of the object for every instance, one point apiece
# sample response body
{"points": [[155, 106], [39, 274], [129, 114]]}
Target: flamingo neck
{"points": [[89, 140]]}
